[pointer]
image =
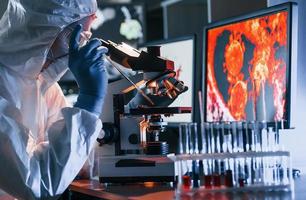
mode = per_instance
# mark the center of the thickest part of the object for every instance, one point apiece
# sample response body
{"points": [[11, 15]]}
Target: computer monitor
{"points": [[250, 66], [182, 52]]}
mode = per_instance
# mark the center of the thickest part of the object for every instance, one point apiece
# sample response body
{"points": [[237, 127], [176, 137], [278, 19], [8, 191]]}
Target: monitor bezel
{"points": [[291, 63], [179, 39]]}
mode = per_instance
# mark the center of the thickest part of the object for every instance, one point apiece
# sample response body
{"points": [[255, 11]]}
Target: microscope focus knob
{"points": [[134, 139], [110, 134]]}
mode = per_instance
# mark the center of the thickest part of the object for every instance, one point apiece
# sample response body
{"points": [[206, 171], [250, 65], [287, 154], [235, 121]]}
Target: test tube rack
{"points": [[231, 157]]}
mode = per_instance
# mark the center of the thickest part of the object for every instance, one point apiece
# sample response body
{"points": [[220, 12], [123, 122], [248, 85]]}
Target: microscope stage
{"points": [[136, 168]]}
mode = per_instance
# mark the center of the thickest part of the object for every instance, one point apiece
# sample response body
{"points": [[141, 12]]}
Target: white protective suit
{"points": [[43, 143]]}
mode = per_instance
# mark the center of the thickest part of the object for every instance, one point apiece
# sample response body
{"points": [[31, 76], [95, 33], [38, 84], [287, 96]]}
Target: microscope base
{"points": [[136, 168]]}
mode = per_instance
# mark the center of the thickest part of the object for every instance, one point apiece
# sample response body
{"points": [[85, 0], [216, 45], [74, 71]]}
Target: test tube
{"points": [[241, 173], [286, 174], [208, 173], [228, 180], [234, 136], [265, 172], [247, 140], [257, 170], [190, 144], [204, 137], [195, 173], [253, 171], [255, 144], [264, 136], [217, 138], [186, 182], [185, 175], [179, 165], [211, 138], [193, 138], [260, 171], [183, 139], [228, 138], [217, 174], [184, 166], [274, 171], [223, 144], [248, 169], [276, 135], [271, 140], [271, 171], [235, 172], [280, 142], [258, 146], [201, 172], [238, 174], [240, 136], [222, 170], [252, 143]]}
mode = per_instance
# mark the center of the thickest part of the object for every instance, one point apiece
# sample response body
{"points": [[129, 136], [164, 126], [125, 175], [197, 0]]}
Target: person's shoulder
{"points": [[54, 96], [54, 91]]}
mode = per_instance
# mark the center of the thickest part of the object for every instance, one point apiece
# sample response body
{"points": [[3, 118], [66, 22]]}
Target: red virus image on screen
{"points": [[246, 69]]}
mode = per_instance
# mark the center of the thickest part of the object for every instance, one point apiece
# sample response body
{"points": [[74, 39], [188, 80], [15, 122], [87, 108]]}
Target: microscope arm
{"points": [[136, 60]]}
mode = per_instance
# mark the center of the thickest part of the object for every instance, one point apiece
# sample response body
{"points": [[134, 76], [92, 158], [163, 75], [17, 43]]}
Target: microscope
{"points": [[130, 146]]}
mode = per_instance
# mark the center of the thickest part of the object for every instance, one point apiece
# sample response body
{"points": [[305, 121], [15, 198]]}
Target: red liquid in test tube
{"points": [[208, 181], [186, 182], [217, 180]]}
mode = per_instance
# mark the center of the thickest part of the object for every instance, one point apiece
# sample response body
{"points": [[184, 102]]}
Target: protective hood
{"points": [[29, 27]]}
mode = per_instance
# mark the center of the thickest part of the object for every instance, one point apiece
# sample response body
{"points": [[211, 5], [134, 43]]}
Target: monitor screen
{"points": [[247, 68], [181, 51]]}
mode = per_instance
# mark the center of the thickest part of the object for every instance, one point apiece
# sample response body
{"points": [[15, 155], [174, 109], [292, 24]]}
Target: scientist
{"points": [[44, 142]]}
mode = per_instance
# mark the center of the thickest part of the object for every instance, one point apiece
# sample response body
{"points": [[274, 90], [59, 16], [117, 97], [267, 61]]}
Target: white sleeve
{"points": [[50, 168]]}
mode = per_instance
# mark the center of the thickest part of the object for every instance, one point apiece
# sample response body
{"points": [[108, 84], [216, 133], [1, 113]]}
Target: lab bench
{"points": [[93, 190]]}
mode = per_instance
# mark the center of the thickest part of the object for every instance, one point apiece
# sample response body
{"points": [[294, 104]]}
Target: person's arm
{"points": [[56, 101], [44, 170]]}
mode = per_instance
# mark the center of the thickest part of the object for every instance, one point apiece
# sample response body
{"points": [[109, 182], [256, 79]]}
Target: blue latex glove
{"points": [[87, 65]]}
